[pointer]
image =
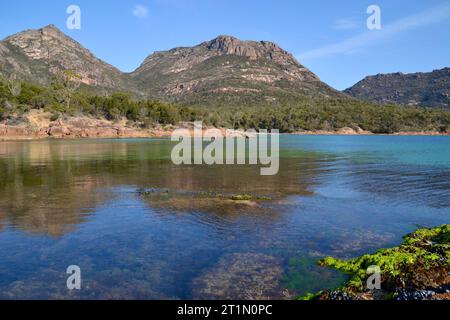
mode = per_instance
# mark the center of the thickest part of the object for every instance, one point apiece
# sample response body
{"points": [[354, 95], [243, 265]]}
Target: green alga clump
{"points": [[241, 197], [203, 194], [421, 261], [439, 235], [248, 197], [311, 296]]}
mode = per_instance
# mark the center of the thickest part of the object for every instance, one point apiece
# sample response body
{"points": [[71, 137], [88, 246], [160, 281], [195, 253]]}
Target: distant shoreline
{"points": [[12, 133], [38, 126], [401, 133]]}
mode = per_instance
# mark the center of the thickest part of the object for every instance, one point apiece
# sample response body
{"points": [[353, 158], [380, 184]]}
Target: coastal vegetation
{"points": [[64, 98], [417, 269]]}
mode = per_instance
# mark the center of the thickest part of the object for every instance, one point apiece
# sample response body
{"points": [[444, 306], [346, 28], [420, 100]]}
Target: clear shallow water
{"points": [[77, 203]]}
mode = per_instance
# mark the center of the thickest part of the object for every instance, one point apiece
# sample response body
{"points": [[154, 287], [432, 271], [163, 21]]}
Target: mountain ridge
{"points": [[226, 68], [224, 71], [430, 89]]}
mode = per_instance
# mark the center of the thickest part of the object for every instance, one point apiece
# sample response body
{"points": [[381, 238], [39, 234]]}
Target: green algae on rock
{"points": [[421, 262], [247, 197], [204, 194]]}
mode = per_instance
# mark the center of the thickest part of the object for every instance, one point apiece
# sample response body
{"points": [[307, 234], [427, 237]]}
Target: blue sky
{"points": [[329, 37]]}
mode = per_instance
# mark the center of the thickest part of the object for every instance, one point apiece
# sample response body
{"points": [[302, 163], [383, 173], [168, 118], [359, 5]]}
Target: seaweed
{"points": [[420, 262]]}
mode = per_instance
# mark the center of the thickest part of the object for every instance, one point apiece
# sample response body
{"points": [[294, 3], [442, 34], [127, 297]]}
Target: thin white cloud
{"points": [[345, 24], [354, 44], [140, 11]]}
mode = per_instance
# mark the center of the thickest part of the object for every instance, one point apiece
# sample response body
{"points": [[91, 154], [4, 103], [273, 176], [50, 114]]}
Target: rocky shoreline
{"points": [[40, 125], [418, 269], [360, 132]]}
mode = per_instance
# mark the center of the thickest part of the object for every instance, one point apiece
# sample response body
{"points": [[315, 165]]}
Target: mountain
{"points": [[229, 71], [36, 55], [425, 89], [222, 72]]}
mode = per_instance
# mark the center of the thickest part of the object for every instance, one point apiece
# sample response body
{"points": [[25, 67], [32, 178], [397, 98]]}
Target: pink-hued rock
{"points": [[3, 130], [58, 131], [39, 126]]}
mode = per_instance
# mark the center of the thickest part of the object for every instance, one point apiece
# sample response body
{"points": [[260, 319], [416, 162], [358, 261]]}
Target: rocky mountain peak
{"points": [[224, 43], [48, 51], [51, 27], [253, 50], [42, 43], [49, 30], [52, 31], [228, 66]]}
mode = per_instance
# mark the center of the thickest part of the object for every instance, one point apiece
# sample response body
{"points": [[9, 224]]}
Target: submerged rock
{"points": [[243, 276]]}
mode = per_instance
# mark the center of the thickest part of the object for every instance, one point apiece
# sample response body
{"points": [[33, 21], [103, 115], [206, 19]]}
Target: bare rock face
{"points": [[231, 45], [13, 132], [250, 49]]}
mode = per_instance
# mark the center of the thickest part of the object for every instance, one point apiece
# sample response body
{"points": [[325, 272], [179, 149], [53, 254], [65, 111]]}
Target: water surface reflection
{"points": [[81, 202]]}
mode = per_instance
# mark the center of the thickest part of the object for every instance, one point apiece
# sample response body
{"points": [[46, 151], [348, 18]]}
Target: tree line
{"points": [[64, 97]]}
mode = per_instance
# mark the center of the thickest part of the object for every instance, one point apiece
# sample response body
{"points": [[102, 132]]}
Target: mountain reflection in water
{"points": [[141, 227]]}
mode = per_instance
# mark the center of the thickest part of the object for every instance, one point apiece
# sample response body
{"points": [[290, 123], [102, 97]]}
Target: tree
{"points": [[65, 84], [13, 85]]}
